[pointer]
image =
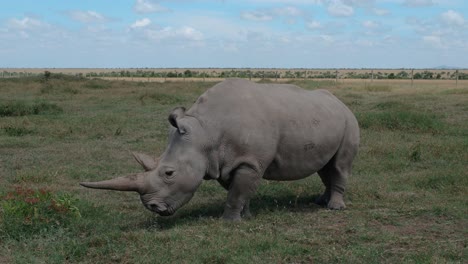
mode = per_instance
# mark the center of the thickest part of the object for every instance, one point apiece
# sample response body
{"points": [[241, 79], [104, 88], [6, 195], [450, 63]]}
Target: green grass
{"points": [[406, 199], [410, 121], [21, 108]]}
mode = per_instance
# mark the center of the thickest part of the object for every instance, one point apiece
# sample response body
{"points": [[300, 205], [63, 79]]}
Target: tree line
{"points": [[264, 74]]}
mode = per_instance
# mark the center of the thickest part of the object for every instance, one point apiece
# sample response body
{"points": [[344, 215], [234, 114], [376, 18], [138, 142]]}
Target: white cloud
{"points": [[369, 24], [26, 23], [338, 9], [256, 16], [380, 11], [327, 38], [313, 25], [87, 16], [452, 18], [184, 33], [149, 6], [418, 3], [361, 3], [433, 40], [295, 2], [287, 12], [141, 23]]}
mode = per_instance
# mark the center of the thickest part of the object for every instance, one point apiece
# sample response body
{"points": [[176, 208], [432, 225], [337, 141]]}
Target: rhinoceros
{"points": [[239, 132]]}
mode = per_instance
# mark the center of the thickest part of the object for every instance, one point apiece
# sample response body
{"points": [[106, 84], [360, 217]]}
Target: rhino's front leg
{"points": [[246, 210], [243, 186]]}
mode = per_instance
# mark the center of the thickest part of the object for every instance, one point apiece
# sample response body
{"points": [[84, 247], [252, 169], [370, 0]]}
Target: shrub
{"points": [[27, 211]]}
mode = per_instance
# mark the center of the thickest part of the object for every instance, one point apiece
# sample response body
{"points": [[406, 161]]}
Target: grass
{"points": [[409, 121], [21, 108], [406, 198]]}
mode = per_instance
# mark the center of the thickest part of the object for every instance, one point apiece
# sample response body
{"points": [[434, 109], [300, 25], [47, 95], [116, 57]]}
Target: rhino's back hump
{"points": [[233, 95]]}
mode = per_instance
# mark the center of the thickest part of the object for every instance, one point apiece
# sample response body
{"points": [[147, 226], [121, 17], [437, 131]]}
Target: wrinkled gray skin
{"points": [[239, 132]]}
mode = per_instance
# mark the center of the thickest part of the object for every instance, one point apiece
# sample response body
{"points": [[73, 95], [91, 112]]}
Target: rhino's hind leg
{"points": [[335, 176], [334, 180], [243, 186], [325, 197]]}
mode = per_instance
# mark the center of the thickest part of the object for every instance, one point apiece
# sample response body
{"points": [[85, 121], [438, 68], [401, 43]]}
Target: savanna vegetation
{"points": [[407, 198], [213, 73]]}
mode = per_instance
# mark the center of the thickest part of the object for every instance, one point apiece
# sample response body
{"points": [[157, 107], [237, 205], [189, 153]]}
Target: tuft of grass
{"points": [[378, 88], [456, 91], [391, 105], [162, 98], [22, 108], [312, 84], [406, 120], [27, 211], [96, 84], [50, 88], [415, 153], [14, 131], [438, 181]]}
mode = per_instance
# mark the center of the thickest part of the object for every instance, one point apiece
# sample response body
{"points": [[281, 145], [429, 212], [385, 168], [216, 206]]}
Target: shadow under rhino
{"points": [[262, 205]]}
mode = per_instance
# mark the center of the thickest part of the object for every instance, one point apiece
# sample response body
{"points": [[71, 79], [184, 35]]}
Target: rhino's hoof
{"points": [[322, 200], [247, 215], [336, 205], [232, 219]]}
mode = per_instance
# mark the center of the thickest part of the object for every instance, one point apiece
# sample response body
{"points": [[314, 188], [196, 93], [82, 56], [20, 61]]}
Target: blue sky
{"points": [[229, 33]]}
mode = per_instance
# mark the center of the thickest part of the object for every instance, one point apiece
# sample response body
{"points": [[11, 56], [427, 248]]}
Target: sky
{"points": [[234, 33]]}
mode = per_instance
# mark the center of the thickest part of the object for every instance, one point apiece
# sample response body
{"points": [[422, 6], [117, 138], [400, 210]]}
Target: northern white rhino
{"points": [[239, 132]]}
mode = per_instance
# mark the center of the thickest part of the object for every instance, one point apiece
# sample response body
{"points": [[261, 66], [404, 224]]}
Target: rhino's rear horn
{"points": [[134, 182], [147, 162]]}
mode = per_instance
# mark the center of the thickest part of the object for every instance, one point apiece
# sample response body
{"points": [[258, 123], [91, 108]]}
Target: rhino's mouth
{"points": [[162, 210], [165, 213]]}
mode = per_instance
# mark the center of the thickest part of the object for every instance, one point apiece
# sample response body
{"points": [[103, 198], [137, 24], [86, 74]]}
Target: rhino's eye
{"points": [[169, 173]]}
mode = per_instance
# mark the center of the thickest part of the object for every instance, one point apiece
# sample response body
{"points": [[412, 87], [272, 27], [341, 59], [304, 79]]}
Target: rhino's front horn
{"points": [[134, 182]]}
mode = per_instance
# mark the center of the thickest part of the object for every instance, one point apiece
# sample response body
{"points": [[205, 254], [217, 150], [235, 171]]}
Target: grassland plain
{"points": [[407, 198]]}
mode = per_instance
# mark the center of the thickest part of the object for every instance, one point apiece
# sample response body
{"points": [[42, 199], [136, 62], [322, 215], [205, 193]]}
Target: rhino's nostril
{"points": [[153, 207], [157, 208]]}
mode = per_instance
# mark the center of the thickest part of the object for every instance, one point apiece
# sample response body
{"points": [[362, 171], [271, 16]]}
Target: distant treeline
{"points": [[265, 74]]}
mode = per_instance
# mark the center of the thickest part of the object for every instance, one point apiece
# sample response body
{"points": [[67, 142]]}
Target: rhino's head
{"points": [[171, 181]]}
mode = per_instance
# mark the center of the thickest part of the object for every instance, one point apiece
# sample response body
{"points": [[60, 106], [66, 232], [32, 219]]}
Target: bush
{"points": [[27, 211]]}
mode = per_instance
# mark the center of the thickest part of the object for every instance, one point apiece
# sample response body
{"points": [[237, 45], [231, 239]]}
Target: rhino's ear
{"points": [[147, 162], [174, 118]]}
